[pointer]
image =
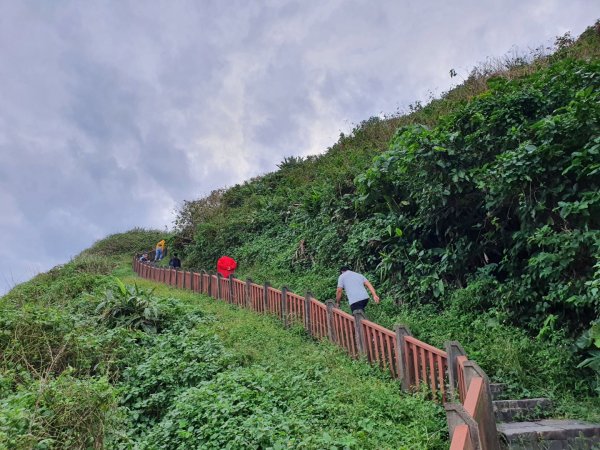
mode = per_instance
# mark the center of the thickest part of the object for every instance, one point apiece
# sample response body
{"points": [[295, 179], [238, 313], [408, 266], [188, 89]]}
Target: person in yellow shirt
{"points": [[160, 250]]}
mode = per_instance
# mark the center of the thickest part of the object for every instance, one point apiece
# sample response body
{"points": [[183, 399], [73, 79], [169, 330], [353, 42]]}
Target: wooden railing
{"points": [[426, 364], [447, 374], [318, 319], [472, 421], [344, 335], [295, 308]]}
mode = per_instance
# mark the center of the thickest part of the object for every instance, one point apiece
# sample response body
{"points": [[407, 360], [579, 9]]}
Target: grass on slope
{"points": [[290, 392]]}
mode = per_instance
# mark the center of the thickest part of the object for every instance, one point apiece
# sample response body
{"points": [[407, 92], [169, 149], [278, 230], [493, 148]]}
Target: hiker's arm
{"points": [[338, 296], [372, 289]]}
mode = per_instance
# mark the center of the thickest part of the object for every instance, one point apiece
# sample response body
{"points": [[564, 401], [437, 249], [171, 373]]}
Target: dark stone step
{"points": [[549, 434], [528, 409]]}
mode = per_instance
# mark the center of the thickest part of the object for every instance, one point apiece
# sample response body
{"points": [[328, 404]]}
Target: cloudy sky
{"points": [[114, 112]]}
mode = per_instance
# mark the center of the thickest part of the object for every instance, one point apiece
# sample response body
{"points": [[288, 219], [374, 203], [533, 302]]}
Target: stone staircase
{"points": [[523, 425]]}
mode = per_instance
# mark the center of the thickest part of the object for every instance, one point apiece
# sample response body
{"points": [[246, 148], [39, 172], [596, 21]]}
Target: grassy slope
{"points": [[331, 399], [215, 376]]}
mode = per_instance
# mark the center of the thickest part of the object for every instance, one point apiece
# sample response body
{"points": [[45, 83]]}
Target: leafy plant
{"points": [[131, 307], [590, 342]]}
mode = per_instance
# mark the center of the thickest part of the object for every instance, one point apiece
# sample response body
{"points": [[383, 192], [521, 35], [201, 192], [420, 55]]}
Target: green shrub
{"points": [[73, 413], [131, 307], [172, 363]]}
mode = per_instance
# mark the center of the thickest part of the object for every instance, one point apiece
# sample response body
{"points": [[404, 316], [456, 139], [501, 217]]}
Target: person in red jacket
{"points": [[226, 266]]}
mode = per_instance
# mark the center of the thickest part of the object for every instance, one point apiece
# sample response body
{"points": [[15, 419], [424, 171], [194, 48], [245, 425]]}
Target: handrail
{"points": [[461, 439], [473, 395], [427, 347], [475, 409]]}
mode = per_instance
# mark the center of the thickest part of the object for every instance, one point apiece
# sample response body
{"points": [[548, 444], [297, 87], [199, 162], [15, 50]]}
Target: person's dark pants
{"points": [[362, 304]]}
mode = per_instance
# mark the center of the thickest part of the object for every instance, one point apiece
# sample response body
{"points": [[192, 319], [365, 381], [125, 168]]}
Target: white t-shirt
{"points": [[354, 285]]}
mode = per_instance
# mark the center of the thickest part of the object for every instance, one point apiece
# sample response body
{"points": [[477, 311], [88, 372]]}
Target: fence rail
{"points": [[381, 346], [344, 332], [426, 365], [404, 357]]}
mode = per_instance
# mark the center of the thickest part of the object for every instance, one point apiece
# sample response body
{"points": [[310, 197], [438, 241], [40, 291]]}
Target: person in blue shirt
{"points": [[354, 284]]}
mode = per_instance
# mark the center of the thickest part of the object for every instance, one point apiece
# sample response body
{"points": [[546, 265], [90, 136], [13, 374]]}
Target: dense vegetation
{"points": [[478, 217], [92, 360]]}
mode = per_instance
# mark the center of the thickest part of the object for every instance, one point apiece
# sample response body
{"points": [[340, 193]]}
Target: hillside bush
{"points": [[129, 306], [482, 205]]}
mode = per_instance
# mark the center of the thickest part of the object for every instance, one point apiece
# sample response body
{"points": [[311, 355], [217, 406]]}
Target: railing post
{"points": [[176, 278], [330, 328], [210, 282], [456, 416], [359, 334], [201, 281], [231, 299], [218, 286], [307, 320], [488, 433], [248, 300], [403, 369], [453, 349], [284, 314], [266, 297]]}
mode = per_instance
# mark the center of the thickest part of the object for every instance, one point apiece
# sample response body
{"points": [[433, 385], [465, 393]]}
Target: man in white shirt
{"points": [[354, 285]]}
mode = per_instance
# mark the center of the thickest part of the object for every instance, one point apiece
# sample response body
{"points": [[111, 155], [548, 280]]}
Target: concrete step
{"points": [[528, 409], [549, 434], [497, 390]]}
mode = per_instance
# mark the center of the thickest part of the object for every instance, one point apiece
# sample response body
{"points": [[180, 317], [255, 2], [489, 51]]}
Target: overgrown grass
{"points": [[296, 393]]}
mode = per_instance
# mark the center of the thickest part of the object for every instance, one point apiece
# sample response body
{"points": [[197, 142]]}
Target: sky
{"points": [[114, 112]]}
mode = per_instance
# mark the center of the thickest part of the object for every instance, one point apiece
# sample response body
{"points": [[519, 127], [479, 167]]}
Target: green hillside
{"points": [[477, 217], [93, 357]]}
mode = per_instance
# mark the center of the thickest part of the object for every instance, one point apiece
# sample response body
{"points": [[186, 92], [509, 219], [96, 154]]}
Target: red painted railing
{"points": [[461, 439], [214, 288], [205, 283], [274, 301], [380, 346], [257, 297], [427, 365], [295, 308], [239, 292], [225, 292], [197, 280], [344, 332], [476, 402], [318, 319]]}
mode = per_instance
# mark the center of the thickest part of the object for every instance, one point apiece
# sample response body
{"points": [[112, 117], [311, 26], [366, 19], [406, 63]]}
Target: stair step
{"points": [[549, 434], [497, 390], [531, 409]]}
